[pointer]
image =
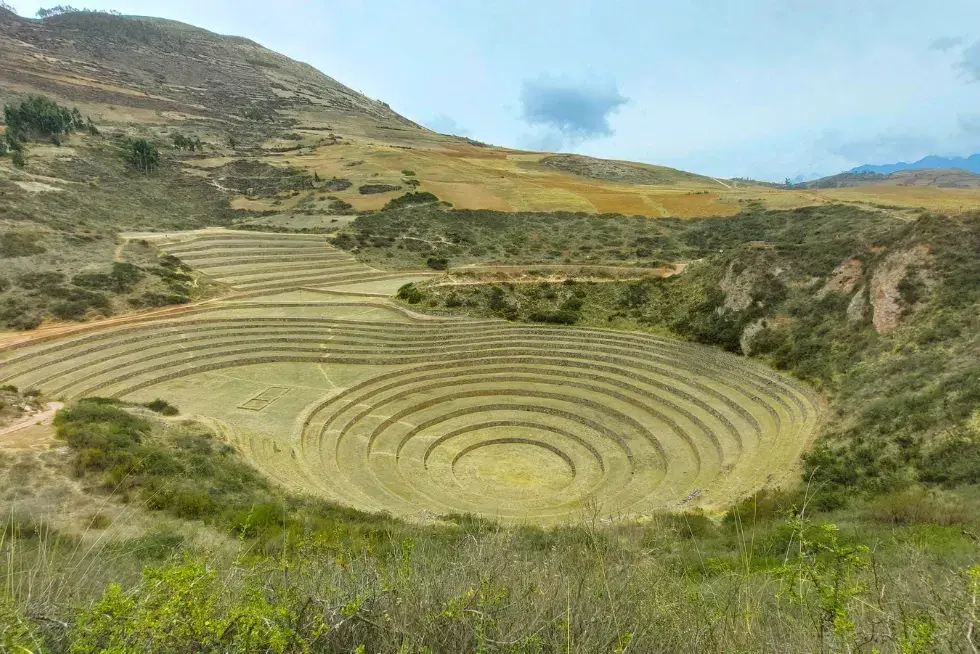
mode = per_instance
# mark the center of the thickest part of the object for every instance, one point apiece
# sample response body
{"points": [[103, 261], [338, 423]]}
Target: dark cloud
{"points": [[970, 63], [574, 111], [946, 43], [446, 125]]}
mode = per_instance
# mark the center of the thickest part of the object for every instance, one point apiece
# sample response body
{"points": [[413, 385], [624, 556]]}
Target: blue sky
{"points": [[758, 88]]}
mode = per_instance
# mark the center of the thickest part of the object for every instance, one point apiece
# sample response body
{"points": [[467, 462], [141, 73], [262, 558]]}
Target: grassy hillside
{"points": [[59, 220]]}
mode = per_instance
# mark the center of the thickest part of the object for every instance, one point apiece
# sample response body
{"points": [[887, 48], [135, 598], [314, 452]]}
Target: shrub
{"points": [[142, 154], [18, 159], [162, 407], [3, 148], [370, 189], [421, 197], [410, 294], [408, 173], [554, 317], [337, 184], [438, 263], [340, 205], [918, 505], [122, 278]]}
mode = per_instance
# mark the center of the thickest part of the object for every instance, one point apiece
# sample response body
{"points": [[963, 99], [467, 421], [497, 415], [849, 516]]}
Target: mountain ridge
{"points": [[970, 163]]}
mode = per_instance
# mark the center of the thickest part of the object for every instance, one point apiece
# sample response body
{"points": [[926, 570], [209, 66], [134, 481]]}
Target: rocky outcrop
{"points": [[737, 289], [844, 278], [886, 298]]}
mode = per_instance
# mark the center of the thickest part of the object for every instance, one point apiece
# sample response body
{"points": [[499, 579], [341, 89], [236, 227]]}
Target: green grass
{"points": [[892, 575]]}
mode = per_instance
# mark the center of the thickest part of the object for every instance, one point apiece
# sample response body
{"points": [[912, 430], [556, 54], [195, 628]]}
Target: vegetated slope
{"points": [[59, 219], [162, 77], [409, 237], [881, 314], [157, 64]]}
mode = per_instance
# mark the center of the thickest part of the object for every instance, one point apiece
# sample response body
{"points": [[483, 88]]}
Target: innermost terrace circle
{"points": [[513, 468]]}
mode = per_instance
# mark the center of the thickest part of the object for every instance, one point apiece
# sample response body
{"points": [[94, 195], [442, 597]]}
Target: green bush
{"points": [[142, 155], [18, 159], [4, 148], [162, 407], [38, 116], [554, 317], [438, 263], [410, 293], [409, 199], [123, 278]]}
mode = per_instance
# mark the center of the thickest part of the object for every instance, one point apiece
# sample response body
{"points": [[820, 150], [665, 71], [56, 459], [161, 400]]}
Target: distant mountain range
{"points": [[971, 163]]}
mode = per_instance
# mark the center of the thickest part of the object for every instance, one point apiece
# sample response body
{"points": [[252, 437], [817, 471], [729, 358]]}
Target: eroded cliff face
{"points": [[887, 303], [844, 277]]}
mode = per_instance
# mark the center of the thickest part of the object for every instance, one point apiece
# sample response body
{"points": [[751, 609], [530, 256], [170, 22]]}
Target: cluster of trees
{"points": [[68, 9], [142, 154], [182, 142], [38, 117]]}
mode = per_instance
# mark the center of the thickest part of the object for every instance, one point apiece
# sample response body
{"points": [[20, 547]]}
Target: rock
{"points": [[886, 299]]}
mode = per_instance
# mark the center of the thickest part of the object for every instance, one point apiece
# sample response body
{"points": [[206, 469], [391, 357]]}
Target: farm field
{"points": [[358, 400]]}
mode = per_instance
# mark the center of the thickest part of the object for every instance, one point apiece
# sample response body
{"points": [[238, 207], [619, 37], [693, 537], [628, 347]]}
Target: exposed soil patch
{"points": [[886, 297], [844, 277]]}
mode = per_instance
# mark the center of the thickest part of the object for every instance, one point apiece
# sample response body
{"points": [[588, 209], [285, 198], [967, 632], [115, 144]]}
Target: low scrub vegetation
{"points": [[420, 197], [371, 189], [302, 577]]}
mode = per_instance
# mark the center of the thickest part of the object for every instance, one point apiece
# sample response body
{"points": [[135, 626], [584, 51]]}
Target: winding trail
{"points": [[34, 419]]}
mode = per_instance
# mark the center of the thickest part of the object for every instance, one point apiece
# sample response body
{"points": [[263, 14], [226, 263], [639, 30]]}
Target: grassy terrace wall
{"points": [[517, 422]]}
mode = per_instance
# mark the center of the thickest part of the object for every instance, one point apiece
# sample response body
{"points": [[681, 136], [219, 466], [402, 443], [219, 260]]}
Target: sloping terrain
{"points": [[372, 406], [159, 76]]}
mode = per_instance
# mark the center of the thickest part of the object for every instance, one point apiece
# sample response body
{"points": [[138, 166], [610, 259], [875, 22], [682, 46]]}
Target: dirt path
{"points": [[34, 419]]}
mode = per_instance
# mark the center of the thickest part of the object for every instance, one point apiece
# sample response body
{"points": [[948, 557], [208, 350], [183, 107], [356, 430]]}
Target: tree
{"points": [[142, 154], [4, 5], [39, 116]]}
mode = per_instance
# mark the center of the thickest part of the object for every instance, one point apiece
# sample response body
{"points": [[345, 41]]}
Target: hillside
{"points": [[283, 371], [158, 76]]}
